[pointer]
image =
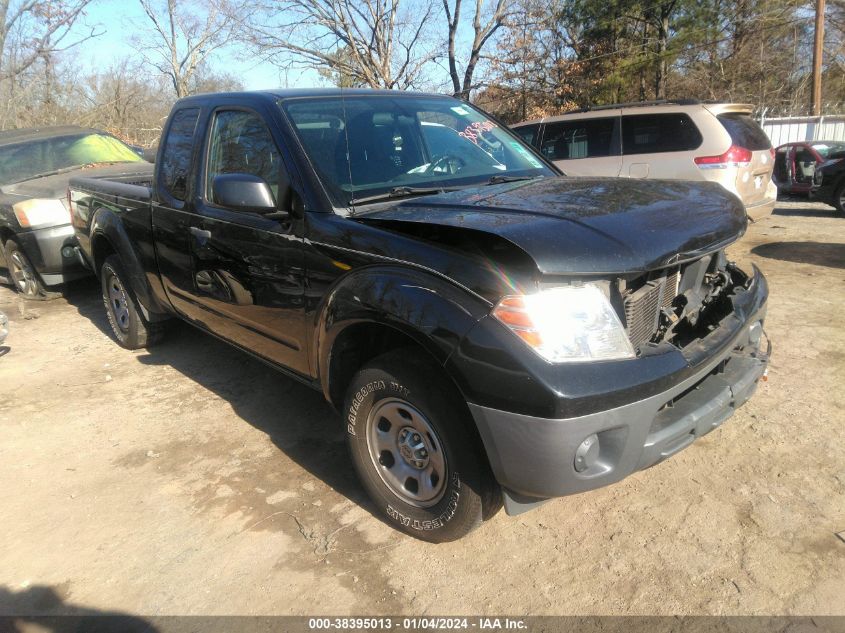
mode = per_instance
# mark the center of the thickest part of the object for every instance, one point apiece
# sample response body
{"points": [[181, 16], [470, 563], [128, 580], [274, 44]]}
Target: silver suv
{"points": [[680, 140]]}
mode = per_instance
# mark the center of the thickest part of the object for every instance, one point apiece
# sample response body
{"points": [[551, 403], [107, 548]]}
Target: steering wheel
{"points": [[448, 163]]}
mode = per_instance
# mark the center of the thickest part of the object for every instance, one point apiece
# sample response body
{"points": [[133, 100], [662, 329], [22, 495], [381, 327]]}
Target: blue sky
{"points": [[120, 19]]}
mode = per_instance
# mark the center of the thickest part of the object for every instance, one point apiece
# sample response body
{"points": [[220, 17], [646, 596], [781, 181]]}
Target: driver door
{"points": [[248, 267]]}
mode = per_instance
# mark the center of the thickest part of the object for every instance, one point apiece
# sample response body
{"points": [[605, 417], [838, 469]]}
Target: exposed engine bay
{"points": [[679, 304]]}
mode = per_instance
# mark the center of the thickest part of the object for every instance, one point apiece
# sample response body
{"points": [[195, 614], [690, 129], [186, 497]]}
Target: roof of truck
{"points": [[8, 137], [294, 93]]}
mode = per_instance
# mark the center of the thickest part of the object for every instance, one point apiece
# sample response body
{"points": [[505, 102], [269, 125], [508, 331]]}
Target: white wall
{"points": [[805, 128]]}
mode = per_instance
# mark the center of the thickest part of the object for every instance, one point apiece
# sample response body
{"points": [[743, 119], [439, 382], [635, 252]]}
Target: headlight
{"points": [[41, 212], [566, 324]]}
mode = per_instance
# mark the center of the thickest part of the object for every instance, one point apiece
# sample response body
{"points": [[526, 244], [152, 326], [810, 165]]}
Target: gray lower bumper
{"points": [[534, 459], [44, 248]]}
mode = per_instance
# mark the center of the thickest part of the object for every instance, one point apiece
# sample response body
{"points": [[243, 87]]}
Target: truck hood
{"points": [[585, 225], [55, 186]]}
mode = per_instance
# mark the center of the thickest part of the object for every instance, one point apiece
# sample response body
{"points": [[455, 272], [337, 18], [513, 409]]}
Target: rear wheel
{"points": [[130, 328], [411, 444], [23, 275]]}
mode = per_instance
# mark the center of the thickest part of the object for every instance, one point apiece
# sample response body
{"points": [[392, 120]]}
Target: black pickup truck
{"points": [[490, 330]]}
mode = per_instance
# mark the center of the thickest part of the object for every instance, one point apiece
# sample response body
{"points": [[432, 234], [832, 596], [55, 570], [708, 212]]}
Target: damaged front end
{"points": [[700, 353], [685, 305]]}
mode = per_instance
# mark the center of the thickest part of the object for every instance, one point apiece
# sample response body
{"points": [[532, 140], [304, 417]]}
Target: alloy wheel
{"points": [[23, 275]]}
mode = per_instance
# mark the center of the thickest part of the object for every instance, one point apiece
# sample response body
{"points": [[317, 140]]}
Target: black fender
{"points": [[431, 310], [110, 225]]}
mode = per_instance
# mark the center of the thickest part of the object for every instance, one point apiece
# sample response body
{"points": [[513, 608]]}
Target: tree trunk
{"points": [[453, 30], [662, 46]]}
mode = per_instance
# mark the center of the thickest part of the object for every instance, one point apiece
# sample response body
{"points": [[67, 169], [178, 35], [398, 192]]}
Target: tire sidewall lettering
{"points": [[361, 396], [431, 524], [364, 399]]}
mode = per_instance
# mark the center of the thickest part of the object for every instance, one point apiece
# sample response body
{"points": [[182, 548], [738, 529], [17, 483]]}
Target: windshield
{"points": [[826, 149], [23, 161], [367, 146]]}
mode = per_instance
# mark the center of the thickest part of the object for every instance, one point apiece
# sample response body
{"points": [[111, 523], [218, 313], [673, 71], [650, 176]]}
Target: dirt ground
{"points": [[191, 479]]}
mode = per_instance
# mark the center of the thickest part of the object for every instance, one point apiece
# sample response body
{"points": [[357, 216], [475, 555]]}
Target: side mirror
{"points": [[243, 192], [149, 154]]}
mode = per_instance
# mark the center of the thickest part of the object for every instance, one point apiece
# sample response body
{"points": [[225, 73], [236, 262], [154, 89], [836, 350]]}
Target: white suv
{"points": [[681, 140]]}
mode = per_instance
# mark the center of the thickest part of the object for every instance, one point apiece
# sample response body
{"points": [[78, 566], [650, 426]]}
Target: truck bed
{"points": [[135, 187]]}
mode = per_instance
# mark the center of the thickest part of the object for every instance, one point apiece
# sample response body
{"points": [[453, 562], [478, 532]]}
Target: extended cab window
{"points": [[242, 144], [655, 133], [177, 151], [587, 138]]}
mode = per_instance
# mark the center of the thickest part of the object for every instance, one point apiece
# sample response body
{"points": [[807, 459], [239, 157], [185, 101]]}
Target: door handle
{"points": [[200, 234]]}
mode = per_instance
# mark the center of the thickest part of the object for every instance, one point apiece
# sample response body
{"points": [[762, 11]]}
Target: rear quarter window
{"points": [[177, 152], [745, 131], [656, 133]]}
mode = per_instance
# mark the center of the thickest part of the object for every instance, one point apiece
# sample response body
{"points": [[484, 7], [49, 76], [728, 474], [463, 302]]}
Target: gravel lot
{"points": [[191, 479]]}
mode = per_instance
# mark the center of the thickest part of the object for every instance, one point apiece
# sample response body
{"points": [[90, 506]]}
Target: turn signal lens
{"points": [[566, 324]]}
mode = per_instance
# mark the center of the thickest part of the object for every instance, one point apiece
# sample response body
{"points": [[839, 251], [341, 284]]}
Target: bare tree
{"points": [[125, 100], [372, 43], [483, 29], [185, 35], [36, 29]]}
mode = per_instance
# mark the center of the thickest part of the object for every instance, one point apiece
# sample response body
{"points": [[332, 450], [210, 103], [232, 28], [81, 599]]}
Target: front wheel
{"points": [[129, 326], [23, 274], [412, 447]]}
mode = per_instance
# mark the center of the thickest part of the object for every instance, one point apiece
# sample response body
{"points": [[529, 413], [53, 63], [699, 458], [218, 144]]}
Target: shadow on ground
{"points": [[806, 212], [815, 253], [43, 608], [295, 417]]}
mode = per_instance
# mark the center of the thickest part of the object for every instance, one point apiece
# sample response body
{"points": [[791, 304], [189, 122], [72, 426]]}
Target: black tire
{"points": [[23, 276], [128, 325], [454, 488], [839, 198]]}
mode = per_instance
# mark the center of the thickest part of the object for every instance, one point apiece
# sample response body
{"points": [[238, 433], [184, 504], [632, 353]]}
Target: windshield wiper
{"points": [[64, 170], [500, 178], [401, 192]]}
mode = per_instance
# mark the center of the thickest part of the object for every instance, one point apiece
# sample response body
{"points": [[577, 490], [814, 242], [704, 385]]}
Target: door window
{"points": [[241, 144], [587, 138], [656, 133], [177, 151]]}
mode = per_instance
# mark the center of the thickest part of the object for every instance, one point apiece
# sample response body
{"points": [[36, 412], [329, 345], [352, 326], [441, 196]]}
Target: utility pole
{"points": [[818, 49]]}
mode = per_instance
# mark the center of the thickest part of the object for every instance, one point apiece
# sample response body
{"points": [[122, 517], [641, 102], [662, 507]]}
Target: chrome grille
{"points": [[643, 306]]}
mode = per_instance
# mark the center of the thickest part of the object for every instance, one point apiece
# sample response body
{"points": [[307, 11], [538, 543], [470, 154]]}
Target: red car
{"points": [[795, 164]]}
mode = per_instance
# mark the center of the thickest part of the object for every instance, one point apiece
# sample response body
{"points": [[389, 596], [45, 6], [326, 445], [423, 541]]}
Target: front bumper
{"points": [[44, 248], [536, 458]]}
